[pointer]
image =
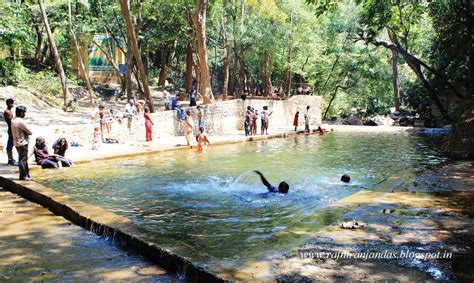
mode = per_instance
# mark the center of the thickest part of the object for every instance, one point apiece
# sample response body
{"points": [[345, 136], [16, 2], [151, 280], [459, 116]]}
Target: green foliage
{"points": [[11, 72], [14, 26], [329, 42]]}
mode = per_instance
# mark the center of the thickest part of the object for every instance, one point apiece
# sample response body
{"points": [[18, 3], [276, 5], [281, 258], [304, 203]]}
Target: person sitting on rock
{"points": [[42, 157], [60, 147], [283, 187]]}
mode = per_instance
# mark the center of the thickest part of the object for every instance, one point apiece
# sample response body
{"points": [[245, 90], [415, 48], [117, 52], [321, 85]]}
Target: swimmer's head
{"points": [[283, 187], [345, 178]]}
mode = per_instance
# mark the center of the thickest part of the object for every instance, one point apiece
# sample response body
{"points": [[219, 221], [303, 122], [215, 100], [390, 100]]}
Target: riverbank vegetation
{"points": [[362, 57]]}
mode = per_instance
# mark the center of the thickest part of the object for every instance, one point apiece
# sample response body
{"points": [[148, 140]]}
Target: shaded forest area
{"points": [[363, 57]]}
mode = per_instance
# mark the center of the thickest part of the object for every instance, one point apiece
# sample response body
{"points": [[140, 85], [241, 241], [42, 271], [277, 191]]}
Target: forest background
{"points": [[363, 57]]}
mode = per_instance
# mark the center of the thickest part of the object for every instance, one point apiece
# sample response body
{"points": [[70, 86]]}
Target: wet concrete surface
{"points": [[406, 236], [36, 245]]}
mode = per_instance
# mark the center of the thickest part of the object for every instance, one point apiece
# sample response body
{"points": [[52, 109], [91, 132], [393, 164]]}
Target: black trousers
{"points": [[10, 141], [23, 161]]}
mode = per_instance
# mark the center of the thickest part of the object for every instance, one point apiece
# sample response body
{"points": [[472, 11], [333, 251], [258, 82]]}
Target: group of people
{"points": [[250, 120], [307, 120], [201, 136], [103, 121], [19, 135], [251, 116]]}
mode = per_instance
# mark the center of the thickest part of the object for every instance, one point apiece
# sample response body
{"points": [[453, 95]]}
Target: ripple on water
{"points": [[215, 205]]}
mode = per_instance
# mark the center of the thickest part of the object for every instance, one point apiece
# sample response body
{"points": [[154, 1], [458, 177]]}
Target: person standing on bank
{"points": [[192, 97], [188, 127], [295, 120], [21, 133], [264, 115], [200, 115], [148, 125], [8, 116], [129, 113], [307, 119]]}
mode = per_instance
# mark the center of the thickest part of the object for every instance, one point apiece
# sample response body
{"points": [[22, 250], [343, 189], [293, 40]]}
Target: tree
{"points": [[198, 17], [131, 33], [54, 50], [79, 55]]}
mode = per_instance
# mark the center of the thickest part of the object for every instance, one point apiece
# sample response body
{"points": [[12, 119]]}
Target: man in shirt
{"points": [[21, 133], [8, 116], [129, 112], [307, 119]]}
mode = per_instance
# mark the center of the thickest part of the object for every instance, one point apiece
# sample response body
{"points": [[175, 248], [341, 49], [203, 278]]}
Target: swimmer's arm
{"points": [[264, 181]]}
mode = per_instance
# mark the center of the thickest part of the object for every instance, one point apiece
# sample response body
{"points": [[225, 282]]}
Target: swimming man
{"points": [[283, 187]]}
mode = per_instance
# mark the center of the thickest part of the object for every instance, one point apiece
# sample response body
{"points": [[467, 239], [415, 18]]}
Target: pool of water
{"points": [[211, 208]]}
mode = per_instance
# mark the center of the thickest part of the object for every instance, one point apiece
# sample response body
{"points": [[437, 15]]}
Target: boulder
{"points": [[353, 120], [459, 143], [370, 122], [383, 121]]}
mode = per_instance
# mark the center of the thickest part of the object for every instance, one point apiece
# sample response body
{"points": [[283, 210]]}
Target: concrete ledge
{"points": [[107, 224]]}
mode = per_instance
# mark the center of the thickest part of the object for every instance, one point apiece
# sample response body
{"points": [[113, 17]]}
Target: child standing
{"points": [[295, 120], [95, 139], [201, 139], [148, 125], [254, 122], [188, 127]]}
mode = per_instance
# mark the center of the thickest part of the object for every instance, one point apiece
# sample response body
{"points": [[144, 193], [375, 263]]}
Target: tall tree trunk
{"points": [[137, 78], [242, 82], [225, 88], [267, 73], [128, 67], [198, 17], [395, 78], [80, 61], [415, 64], [188, 84], [44, 52], [164, 66], [172, 54], [198, 76], [233, 76], [39, 36], [54, 50], [126, 14], [288, 70]]}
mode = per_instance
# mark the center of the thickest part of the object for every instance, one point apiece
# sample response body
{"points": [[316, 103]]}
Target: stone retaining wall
{"points": [[228, 116], [112, 226], [220, 118]]}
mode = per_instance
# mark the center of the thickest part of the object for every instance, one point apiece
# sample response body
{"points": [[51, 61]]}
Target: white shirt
{"points": [[307, 116], [21, 132], [130, 109]]}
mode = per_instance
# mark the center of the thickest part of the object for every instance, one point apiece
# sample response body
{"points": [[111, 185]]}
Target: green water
{"points": [[211, 208]]}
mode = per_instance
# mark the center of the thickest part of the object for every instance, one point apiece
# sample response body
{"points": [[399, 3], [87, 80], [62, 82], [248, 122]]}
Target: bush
{"points": [[11, 72]]}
